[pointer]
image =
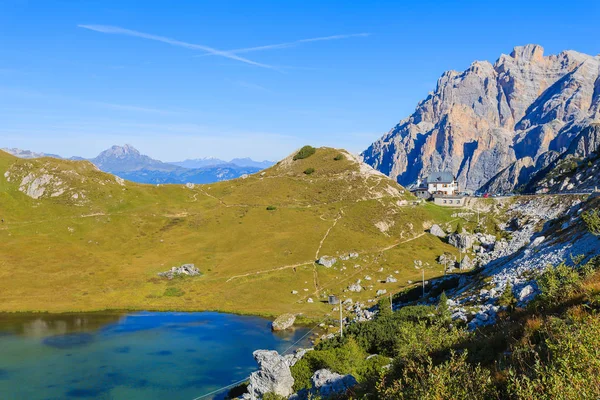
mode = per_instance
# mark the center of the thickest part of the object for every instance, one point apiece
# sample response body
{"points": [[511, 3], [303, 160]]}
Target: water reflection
{"points": [[42, 325], [132, 356]]}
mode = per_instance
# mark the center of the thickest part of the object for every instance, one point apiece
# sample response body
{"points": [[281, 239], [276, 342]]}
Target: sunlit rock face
{"points": [[483, 120]]}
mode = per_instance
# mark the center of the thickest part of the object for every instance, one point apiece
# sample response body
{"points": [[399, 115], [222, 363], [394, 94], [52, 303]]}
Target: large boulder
{"points": [[273, 376], [466, 263], [327, 261], [461, 240], [435, 230], [327, 384], [283, 322]]}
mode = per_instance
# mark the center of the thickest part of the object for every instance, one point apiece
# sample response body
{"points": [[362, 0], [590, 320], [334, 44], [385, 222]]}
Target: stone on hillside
{"points": [[309, 300], [355, 287], [327, 261], [461, 240], [328, 384], [283, 322], [292, 359], [537, 241], [185, 269], [273, 376], [391, 279], [435, 230], [381, 292], [526, 294], [466, 263]]}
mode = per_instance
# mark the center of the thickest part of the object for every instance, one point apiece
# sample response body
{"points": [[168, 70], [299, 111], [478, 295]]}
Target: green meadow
{"points": [[93, 242]]}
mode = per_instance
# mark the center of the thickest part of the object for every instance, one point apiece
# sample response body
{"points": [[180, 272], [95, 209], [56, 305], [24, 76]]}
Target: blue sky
{"points": [[188, 79]]}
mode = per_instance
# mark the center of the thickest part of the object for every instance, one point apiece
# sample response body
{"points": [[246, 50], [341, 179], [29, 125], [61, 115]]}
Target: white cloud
{"points": [[296, 43], [128, 32]]}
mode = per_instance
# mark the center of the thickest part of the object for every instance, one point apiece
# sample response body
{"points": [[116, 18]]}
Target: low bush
{"points": [[558, 284], [339, 157], [453, 379], [592, 221], [271, 208], [305, 152], [346, 359], [309, 171], [507, 299], [563, 364], [173, 292]]}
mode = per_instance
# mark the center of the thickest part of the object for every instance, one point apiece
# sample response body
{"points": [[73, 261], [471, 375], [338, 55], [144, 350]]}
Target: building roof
{"points": [[440, 177]]}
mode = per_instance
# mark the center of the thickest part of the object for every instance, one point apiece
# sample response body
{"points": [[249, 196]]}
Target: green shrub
{"points": [[558, 284], [345, 359], [507, 299], [173, 292], [565, 364], [459, 227], [453, 379], [592, 221], [271, 208], [273, 396], [442, 309], [309, 171], [339, 157], [305, 152]]}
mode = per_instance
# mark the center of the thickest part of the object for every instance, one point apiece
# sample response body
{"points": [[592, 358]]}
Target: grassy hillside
{"points": [[75, 239]]}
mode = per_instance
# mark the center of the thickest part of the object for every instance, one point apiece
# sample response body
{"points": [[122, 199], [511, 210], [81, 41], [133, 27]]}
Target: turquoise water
{"points": [[134, 356]]}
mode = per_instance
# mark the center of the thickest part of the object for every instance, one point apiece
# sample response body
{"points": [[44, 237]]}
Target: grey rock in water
{"points": [[283, 322], [273, 376]]}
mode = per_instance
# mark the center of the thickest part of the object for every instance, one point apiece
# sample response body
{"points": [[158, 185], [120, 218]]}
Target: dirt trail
{"points": [[315, 274]]}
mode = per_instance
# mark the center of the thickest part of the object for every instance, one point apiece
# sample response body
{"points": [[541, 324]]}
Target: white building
{"points": [[442, 183]]}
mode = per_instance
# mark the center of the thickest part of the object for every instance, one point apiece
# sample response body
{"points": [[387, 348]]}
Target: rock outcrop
{"points": [[479, 122], [283, 322], [327, 261], [185, 269], [327, 383], [273, 376]]}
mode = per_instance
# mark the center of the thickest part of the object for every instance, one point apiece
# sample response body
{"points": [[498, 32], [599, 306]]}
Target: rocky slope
{"points": [[575, 170], [519, 113]]}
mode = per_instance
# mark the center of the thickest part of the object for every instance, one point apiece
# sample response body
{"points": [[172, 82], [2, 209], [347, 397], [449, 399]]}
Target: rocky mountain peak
{"points": [[121, 151], [128, 158], [528, 53], [481, 121]]}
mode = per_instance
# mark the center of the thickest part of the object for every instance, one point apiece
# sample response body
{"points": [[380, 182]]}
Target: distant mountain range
{"points": [[211, 162], [128, 163], [495, 126]]}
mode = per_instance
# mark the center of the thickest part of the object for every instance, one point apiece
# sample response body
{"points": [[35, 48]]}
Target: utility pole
{"points": [[391, 305], [341, 322], [423, 271]]}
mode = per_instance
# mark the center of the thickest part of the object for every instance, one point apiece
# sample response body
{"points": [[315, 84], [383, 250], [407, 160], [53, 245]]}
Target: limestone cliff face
{"points": [[481, 121]]}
